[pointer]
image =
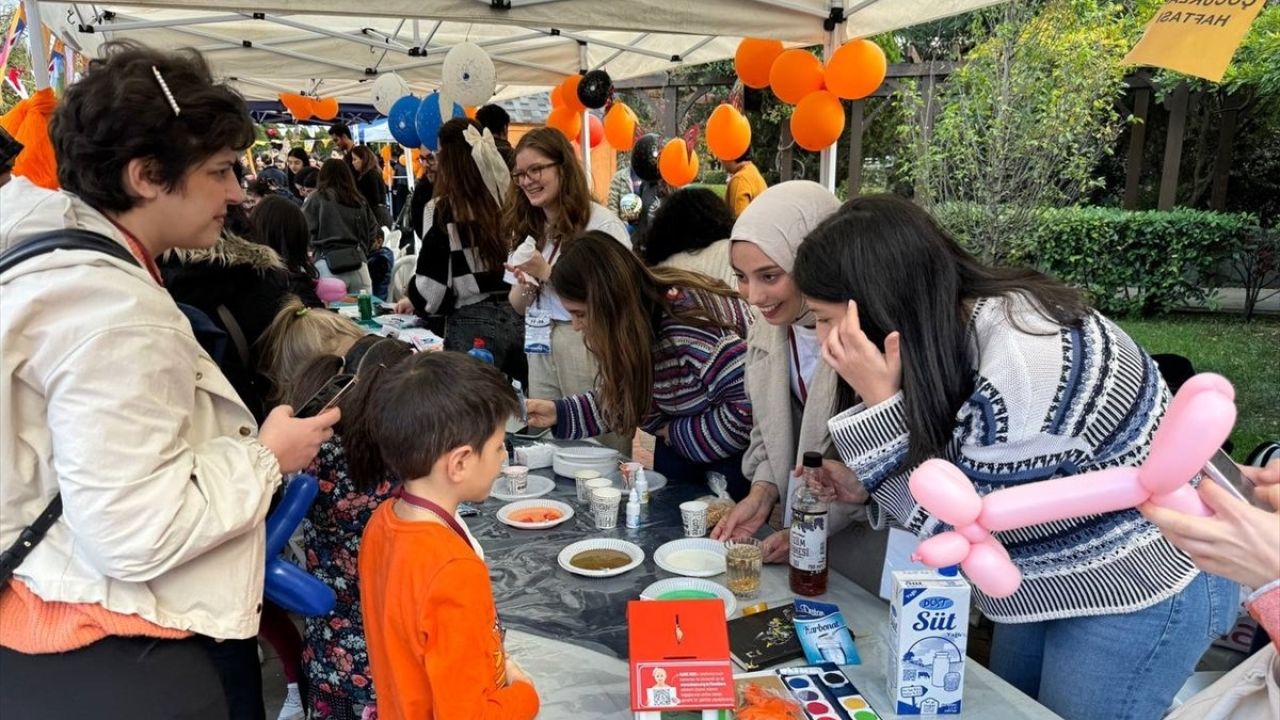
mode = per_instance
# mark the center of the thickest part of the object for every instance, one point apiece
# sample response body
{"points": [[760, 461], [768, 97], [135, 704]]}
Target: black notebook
{"points": [[764, 639]]}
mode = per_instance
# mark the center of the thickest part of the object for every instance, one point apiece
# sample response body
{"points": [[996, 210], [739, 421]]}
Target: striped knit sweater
{"points": [[1054, 403], [699, 387]]}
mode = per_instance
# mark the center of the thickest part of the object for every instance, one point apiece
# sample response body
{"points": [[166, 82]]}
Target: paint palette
{"points": [[826, 693]]}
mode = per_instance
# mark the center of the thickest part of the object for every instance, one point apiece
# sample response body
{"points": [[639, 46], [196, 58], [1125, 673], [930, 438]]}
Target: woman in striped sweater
{"points": [[1012, 377], [670, 347]]}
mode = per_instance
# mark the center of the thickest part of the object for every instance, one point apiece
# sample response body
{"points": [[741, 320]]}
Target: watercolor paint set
{"points": [[826, 693]]}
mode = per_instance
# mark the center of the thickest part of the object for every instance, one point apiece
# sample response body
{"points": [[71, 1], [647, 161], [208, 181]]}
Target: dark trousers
{"points": [[117, 678], [503, 332], [238, 669], [677, 468]]}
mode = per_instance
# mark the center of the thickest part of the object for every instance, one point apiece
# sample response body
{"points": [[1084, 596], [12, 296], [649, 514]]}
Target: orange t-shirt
{"points": [[435, 646]]}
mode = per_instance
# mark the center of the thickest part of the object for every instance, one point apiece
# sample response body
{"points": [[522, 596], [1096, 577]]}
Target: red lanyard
{"points": [[795, 357], [434, 509], [141, 254]]}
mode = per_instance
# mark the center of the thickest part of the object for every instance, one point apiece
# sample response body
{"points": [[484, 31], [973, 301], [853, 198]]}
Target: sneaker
{"points": [[292, 708]]}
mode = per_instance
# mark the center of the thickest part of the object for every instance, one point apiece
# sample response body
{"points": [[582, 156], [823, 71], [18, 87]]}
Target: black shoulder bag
{"points": [[38, 245]]}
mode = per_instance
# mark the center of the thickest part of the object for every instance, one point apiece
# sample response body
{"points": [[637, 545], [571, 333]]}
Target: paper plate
{"points": [[692, 557], [539, 485], [690, 589], [656, 480], [568, 460], [632, 549], [505, 512]]}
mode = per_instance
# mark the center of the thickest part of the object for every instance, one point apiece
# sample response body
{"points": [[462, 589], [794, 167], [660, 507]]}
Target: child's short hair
{"points": [[121, 111], [436, 402]]}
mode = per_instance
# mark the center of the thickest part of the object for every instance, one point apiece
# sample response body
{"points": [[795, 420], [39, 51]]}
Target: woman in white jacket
{"points": [[107, 400]]}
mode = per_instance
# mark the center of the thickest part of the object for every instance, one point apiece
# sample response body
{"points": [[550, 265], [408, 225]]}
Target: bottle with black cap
{"points": [[809, 533]]}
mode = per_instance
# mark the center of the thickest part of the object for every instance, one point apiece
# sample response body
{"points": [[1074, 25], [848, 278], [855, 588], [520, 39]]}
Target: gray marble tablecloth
{"points": [[569, 632]]}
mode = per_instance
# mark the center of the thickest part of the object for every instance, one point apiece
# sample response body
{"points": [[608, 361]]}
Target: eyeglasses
{"points": [[533, 173]]}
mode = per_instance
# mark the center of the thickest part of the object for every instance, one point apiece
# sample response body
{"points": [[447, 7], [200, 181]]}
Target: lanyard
{"points": [[795, 357], [537, 294], [434, 509], [140, 252]]}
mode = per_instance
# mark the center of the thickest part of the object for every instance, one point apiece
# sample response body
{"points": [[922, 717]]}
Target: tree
{"points": [[1024, 122]]}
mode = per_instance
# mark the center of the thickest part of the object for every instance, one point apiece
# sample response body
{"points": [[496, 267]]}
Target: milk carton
{"points": [[928, 632]]}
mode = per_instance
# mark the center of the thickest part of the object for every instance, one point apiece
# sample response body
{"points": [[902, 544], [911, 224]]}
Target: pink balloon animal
{"points": [[1197, 422], [330, 289]]}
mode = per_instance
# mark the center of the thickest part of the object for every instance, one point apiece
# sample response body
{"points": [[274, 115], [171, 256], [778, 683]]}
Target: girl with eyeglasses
{"points": [[553, 206]]}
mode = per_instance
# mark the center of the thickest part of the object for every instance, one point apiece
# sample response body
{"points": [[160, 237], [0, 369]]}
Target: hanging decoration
{"points": [[753, 60], [795, 74], [620, 127], [325, 108], [430, 116], [299, 106], [594, 89], [728, 133], [678, 164], [817, 121], [468, 76], [387, 89], [567, 121], [569, 93], [855, 70], [644, 157], [402, 120], [595, 130]]}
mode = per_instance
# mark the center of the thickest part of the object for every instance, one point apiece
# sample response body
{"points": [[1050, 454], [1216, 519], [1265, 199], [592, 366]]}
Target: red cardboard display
{"points": [[679, 655]]}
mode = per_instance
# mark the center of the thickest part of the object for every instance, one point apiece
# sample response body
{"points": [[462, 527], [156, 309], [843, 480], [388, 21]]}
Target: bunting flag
{"points": [[16, 27], [14, 78], [1196, 38], [57, 66]]}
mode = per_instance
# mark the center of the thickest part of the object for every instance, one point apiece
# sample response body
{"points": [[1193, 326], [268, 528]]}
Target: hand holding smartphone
{"points": [[1223, 470], [327, 396]]}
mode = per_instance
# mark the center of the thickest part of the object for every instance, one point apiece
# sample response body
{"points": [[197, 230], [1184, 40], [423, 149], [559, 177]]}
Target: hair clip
{"points": [[164, 86], [301, 311]]}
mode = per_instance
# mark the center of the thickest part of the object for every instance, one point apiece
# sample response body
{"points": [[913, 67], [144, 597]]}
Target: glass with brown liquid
{"points": [[743, 561]]}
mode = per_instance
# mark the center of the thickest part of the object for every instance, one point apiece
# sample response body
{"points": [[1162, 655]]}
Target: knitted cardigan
{"points": [[1048, 401], [699, 387]]}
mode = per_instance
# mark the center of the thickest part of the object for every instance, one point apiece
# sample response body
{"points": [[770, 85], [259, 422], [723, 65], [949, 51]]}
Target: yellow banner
{"points": [[1195, 37]]}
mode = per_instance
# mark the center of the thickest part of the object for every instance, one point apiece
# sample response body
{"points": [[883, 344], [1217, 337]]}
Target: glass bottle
{"points": [[808, 533]]}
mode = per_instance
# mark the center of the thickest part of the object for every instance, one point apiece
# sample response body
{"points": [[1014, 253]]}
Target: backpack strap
{"points": [[236, 334], [35, 246]]}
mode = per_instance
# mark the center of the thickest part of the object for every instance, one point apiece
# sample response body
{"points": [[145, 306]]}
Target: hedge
{"points": [[1130, 262]]}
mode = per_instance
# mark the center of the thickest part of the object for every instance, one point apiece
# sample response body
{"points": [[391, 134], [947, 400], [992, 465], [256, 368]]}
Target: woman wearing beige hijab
{"points": [[793, 393]]}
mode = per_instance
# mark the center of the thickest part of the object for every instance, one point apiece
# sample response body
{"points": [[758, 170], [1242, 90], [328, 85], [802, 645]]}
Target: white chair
{"points": [[402, 275]]}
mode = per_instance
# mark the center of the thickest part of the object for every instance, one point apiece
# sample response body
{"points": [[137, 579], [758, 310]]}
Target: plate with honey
{"points": [[601, 557], [534, 514]]}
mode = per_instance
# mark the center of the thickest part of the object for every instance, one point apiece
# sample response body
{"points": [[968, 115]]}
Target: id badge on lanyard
{"points": [[537, 331]]}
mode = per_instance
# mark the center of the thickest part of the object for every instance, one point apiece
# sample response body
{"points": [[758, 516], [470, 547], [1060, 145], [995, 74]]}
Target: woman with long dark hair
{"points": [[296, 161], [280, 225], [552, 205], [669, 345], [367, 168], [458, 283], [1011, 376], [342, 227], [690, 231]]}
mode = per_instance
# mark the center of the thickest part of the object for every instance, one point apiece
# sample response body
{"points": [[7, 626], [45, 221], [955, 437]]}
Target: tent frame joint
{"points": [[259, 16], [835, 18], [500, 4]]}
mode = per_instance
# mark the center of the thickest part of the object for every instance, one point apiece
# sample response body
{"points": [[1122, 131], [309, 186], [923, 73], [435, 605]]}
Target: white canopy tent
{"points": [[265, 47]]}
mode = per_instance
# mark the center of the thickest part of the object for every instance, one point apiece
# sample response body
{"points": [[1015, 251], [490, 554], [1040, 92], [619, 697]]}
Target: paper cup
{"points": [[694, 515], [580, 479], [604, 506], [595, 483], [517, 479]]}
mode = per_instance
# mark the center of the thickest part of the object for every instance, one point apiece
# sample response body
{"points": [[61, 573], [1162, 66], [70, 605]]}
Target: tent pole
{"points": [[35, 36], [827, 164], [584, 139]]}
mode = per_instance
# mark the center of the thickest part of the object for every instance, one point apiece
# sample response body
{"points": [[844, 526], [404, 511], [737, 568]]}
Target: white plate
{"points": [[568, 461], [656, 480], [504, 513], [632, 549], [660, 588], [539, 485], [692, 557]]}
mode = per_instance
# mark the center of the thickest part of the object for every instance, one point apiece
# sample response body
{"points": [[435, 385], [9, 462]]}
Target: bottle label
{"points": [[809, 541]]}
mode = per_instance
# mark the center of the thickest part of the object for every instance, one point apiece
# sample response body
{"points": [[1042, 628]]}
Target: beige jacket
{"points": [[106, 397], [774, 452]]}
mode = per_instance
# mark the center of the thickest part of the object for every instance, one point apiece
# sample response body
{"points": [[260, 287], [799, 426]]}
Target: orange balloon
{"points": [[569, 94], [470, 111], [557, 96], [795, 74], [856, 69], [566, 121], [299, 106], [620, 127], [728, 133], [325, 108], [818, 120], [677, 164], [753, 59]]}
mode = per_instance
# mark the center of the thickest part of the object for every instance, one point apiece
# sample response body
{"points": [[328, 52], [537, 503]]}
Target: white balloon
{"points": [[468, 77], [387, 89]]}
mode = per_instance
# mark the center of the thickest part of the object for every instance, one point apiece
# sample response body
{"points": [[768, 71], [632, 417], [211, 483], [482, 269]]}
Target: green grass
{"points": [[717, 189], [1247, 354]]}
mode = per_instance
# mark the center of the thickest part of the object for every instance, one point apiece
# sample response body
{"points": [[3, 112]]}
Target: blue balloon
{"points": [[401, 121], [288, 585], [429, 120]]}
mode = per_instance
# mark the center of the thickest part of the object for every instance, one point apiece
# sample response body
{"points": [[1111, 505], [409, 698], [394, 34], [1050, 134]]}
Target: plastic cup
{"points": [[517, 479], [580, 479], [694, 515], [629, 470], [605, 502]]}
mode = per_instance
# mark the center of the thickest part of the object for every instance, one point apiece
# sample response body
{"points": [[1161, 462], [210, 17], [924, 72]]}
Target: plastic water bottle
{"points": [[365, 302], [479, 352]]}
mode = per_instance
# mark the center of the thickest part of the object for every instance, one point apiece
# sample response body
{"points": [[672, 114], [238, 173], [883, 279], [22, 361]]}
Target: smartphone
{"points": [[1226, 473], [327, 396]]}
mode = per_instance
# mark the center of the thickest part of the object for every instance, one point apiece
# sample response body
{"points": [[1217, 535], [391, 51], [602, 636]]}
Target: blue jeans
{"points": [[1119, 667]]}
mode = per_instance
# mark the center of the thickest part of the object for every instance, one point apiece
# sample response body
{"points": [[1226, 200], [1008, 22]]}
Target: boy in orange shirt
{"points": [[435, 643]]}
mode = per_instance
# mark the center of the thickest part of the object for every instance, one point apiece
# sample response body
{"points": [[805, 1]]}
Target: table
{"points": [[542, 604]]}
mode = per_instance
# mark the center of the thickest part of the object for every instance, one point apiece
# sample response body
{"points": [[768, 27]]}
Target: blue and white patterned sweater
{"points": [[1067, 401]]}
